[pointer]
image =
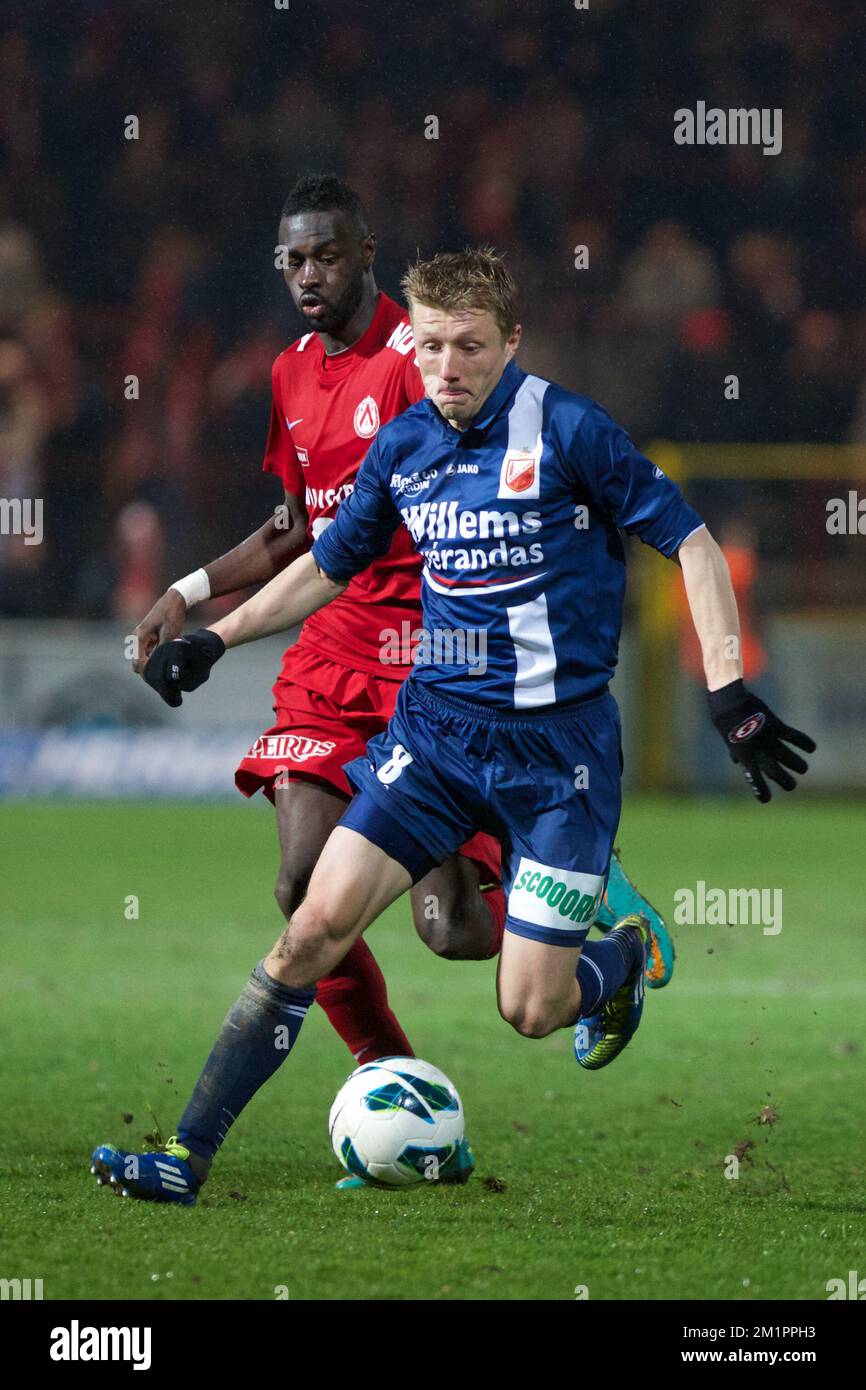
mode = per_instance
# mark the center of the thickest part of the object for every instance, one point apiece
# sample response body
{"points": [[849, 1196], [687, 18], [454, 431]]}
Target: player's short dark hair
{"points": [[472, 279], [325, 193]]}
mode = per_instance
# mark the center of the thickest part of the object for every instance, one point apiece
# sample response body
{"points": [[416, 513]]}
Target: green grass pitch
{"points": [[614, 1181]]}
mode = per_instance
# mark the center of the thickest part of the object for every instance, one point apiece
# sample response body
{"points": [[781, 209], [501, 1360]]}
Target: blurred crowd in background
{"points": [[155, 256]]}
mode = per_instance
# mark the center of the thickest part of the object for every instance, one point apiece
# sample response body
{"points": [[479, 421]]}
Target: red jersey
{"points": [[326, 412]]}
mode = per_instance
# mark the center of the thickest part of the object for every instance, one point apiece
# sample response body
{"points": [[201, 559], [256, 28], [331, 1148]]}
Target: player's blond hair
{"points": [[472, 279]]}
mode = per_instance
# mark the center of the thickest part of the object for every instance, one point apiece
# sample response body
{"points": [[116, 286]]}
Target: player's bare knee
{"points": [[321, 917], [289, 891], [453, 925], [534, 1025], [443, 933], [531, 1018], [293, 880]]}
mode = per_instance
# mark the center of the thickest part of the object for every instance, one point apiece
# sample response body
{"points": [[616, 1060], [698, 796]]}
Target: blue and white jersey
{"points": [[517, 519]]}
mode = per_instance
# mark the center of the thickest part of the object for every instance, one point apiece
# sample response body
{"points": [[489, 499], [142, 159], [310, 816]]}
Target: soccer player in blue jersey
{"points": [[515, 492]]}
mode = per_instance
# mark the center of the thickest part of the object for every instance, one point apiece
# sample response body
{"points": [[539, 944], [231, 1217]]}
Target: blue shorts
{"points": [[547, 786]]}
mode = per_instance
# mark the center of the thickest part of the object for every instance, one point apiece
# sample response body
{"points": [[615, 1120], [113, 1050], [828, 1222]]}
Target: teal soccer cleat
{"points": [[622, 899], [457, 1169], [599, 1039]]}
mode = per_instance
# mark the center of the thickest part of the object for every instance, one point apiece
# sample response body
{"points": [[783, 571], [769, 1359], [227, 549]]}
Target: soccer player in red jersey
{"points": [[353, 370]]}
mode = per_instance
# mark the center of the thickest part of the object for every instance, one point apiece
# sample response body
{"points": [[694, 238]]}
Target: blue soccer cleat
{"points": [[458, 1168], [599, 1039], [622, 899], [155, 1177]]}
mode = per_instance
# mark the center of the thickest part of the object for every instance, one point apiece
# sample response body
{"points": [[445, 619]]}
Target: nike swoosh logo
{"points": [[291, 423]]}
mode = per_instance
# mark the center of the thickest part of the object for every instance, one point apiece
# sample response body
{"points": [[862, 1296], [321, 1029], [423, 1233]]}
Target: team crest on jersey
{"points": [[366, 419], [521, 472], [295, 747]]}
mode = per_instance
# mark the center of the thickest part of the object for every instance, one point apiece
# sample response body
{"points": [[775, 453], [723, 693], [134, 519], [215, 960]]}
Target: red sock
{"points": [[495, 900], [355, 998]]}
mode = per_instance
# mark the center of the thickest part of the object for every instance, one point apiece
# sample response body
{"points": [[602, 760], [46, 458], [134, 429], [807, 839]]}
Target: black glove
{"points": [[756, 739], [183, 664]]}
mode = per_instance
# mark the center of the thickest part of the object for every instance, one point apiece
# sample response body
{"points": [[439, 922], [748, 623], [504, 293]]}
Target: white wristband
{"points": [[193, 588]]}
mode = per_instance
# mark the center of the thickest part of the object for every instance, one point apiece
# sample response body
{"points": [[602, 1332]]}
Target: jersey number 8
{"points": [[390, 771]]}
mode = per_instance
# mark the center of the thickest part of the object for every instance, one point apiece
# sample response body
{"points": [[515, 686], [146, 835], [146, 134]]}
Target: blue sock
{"points": [[603, 967], [258, 1033]]}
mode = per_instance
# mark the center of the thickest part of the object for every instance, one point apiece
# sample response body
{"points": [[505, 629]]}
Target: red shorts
{"points": [[325, 713]]}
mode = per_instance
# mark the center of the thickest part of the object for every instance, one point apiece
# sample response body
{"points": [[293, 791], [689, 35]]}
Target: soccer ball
{"points": [[395, 1122]]}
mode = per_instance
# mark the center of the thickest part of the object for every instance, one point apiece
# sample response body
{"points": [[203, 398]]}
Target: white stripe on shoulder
{"points": [[526, 414], [520, 470]]}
